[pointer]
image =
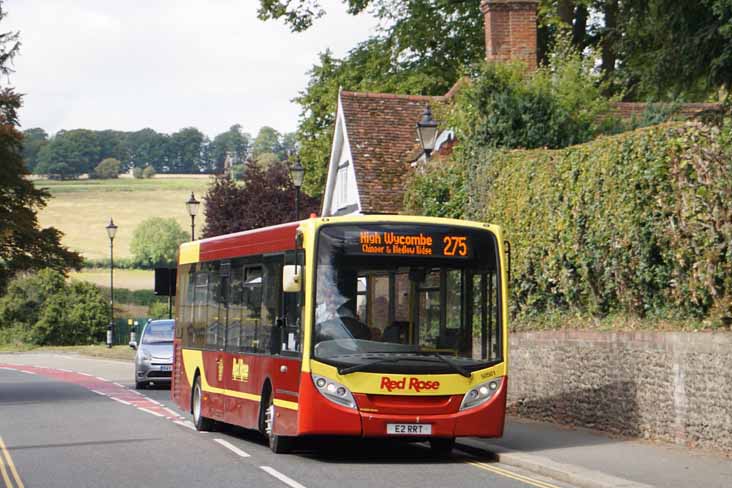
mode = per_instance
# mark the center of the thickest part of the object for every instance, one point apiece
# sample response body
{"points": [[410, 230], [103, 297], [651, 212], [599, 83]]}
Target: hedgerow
{"points": [[638, 223]]}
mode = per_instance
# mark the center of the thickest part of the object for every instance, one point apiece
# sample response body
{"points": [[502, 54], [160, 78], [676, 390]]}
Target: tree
{"points": [[108, 168], [186, 150], [234, 142], [268, 140], [265, 160], [148, 148], [69, 154], [265, 197], [24, 246], [155, 242], [148, 172], [33, 141]]}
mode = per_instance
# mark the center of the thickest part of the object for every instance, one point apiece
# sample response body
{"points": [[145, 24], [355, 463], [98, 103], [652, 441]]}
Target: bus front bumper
{"points": [[328, 418]]}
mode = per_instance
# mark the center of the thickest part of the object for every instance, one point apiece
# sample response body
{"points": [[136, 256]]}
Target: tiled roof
{"points": [[381, 132]]}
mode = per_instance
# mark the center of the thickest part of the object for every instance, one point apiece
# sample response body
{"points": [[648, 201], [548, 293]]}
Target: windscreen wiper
{"points": [[364, 366]]}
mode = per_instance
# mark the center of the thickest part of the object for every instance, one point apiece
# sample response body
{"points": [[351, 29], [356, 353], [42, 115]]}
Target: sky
{"points": [[166, 64]]}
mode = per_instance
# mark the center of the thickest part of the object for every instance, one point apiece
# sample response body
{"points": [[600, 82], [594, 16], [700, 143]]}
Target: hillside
{"points": [[81, 209]]}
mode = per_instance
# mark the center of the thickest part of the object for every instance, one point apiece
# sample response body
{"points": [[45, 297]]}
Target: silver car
{"points": [[154, 358]]}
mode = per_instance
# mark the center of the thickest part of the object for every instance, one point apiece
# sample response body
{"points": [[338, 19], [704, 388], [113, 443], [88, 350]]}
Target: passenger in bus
{"points": [[396, 332]]}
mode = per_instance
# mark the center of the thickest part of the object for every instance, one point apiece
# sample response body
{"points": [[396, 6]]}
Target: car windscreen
{"points": [[158, 332]]}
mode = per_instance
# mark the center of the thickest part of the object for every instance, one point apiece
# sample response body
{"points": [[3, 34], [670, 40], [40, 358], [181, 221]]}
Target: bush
{"points": [[155, 242], [148, 172], [638, 223], [137, 172], [158, 310], [108, 168], [43, 309]]}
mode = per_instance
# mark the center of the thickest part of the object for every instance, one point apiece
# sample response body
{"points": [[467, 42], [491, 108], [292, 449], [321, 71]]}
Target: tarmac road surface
{"points": [[63, 424]]}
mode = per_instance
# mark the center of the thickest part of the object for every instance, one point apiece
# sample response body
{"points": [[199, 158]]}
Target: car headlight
{"points": [[334, 391], [481, 393], [146, 356]]}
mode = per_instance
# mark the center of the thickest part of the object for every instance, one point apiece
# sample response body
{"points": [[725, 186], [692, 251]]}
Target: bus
{"points": [[385, 326]]}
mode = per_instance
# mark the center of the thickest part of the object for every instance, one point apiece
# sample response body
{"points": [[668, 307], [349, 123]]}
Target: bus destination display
{"points": [[387, 243]]}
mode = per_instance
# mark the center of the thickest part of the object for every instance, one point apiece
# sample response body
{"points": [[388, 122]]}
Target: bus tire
{"points": [[279, 444], [201, 422], [442, 446]]}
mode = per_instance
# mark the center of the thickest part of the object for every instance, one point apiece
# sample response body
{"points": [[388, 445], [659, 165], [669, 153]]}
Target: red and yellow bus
{"points": [[366, 326]]}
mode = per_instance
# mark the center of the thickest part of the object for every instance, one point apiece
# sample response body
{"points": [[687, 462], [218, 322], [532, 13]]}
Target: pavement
{"points": [[548, 454]]}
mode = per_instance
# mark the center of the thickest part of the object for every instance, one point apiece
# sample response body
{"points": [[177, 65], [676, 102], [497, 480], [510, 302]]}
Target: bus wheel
{"points": [[201, 422], [278, 443], [442, 446]]}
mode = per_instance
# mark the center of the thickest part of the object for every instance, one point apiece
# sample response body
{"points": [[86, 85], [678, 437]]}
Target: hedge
{"points": [[638, 223]]}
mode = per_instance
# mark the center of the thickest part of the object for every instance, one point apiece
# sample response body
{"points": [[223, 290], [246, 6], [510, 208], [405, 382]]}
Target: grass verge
{"points": [[97, 350]]}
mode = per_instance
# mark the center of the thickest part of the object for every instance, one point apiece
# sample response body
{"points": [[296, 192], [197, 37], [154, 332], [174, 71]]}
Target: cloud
{"points": [[166, 64]]}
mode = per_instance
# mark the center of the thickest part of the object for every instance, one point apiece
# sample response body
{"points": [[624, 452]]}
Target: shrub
{"points": [[43, 309], [637, 223], [158, 310], [155, 241], [108, 168], [148, 172], [137, 172]]}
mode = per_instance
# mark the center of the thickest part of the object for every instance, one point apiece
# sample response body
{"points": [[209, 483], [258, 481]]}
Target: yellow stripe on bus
{"points": [[190, 252], [440, 384], [285, 404], [193, 360]]}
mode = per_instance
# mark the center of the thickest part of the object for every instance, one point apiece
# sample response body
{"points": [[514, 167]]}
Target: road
{"points": [[83, 425]]}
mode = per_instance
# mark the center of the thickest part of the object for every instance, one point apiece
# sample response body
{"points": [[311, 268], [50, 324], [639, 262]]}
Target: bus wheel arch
{"points": [[199, 421], [277, 443]]}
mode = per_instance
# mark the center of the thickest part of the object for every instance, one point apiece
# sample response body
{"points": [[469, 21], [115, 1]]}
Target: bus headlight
{"points": [[481, 393], [334, 391]]}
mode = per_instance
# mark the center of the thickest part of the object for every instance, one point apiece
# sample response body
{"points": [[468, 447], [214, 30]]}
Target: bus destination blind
{"points": [[387, 243]]}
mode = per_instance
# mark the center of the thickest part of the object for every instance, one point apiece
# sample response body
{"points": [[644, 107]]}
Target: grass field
{"points": [[132, 279], [81, 209]]}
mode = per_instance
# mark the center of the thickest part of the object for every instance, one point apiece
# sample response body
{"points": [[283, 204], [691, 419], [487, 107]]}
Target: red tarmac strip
{"points": [[99, 386]]}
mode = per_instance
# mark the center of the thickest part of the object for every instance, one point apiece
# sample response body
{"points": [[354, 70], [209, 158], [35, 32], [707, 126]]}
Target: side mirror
{"points": [[133, 345], [291, 278]]}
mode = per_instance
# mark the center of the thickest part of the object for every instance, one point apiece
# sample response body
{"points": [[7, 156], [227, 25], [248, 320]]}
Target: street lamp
{"points": [[427, 132], [297, 173], [192, 205], [111, 231]]}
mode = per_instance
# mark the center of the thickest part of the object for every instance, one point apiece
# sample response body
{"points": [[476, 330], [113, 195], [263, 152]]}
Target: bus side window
{"points": [[198, 326], [252, 308], [271, 293], [214, 327], [233, 326]]}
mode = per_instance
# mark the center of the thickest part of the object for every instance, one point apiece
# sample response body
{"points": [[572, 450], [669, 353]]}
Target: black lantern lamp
{"points": [[427, 132], [192, 206], [111, 232], [297, 173]]}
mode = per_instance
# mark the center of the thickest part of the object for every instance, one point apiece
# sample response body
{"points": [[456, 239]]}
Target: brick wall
{"points": [[510, 30], [675, 387]]}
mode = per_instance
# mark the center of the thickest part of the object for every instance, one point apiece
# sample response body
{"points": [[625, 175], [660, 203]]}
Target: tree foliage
{"points": [[264, 197], [234, 142], [24, 246], [43, 309], [155, 242], [108, 168]]}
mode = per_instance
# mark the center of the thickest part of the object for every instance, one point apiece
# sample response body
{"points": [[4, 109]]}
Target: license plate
{"points": [[166, 367], [409, 429]]}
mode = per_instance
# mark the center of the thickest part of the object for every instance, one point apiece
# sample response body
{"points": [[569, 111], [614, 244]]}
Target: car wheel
{"points": [[278, 443], [140, 385], [442, 446], [201, 422]]}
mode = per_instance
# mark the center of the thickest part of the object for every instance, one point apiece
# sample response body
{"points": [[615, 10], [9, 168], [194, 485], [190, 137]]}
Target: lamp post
{"points": [[192, 205], [427, 132], [297, 173], [111, 231]]}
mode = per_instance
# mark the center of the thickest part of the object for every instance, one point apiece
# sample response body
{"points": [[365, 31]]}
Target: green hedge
{"points": [[639, 222]]}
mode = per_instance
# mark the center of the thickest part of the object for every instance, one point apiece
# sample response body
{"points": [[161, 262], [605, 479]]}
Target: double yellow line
{"points": [[510, 474], [7, 462]]}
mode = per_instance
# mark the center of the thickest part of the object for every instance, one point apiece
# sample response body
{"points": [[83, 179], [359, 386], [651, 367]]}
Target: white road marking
{"points": [[99, 392], [171, 412], [8, 369], [285, 479], [64, 370], [120, 401], [121, 386], [231, 447], [100, 378], [85, 374], [150, 411], [26, 372], [185, 423]]}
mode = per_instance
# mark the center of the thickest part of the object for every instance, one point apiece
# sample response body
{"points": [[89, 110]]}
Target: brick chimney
{"points": [[510, 30]]}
